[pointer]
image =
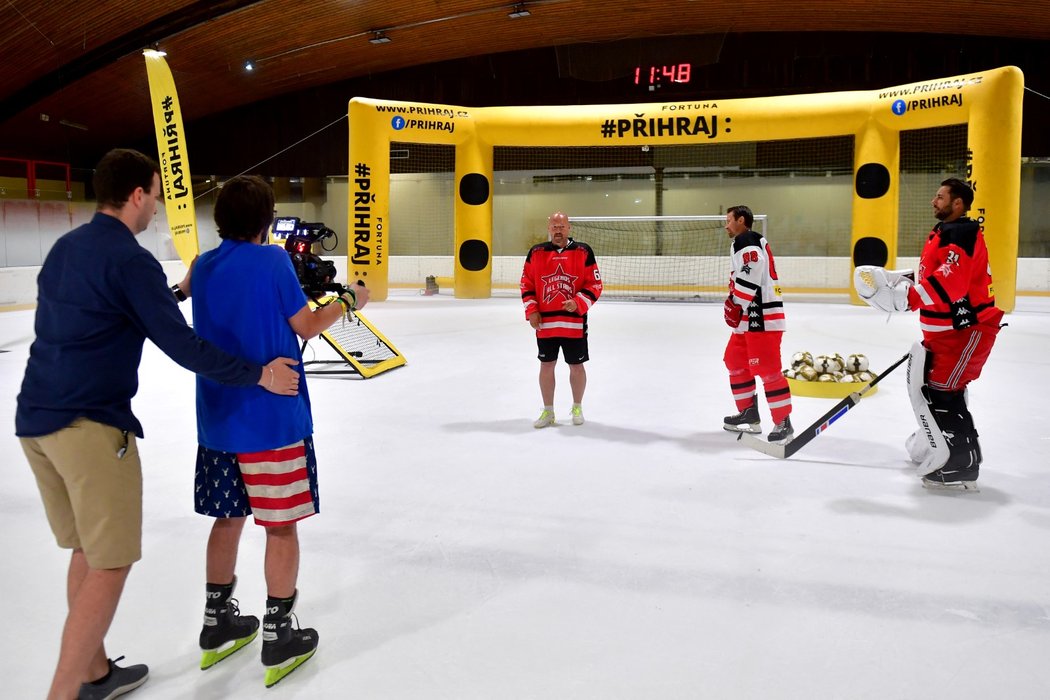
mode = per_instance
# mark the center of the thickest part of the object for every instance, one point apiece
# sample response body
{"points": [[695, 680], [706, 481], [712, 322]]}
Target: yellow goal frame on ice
{"points": [[989, 102]]}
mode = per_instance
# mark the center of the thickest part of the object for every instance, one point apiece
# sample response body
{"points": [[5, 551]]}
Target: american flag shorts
{"points": [[277, 486]]}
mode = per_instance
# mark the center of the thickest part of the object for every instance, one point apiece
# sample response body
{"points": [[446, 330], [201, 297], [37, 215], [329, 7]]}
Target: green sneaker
{"points": [[546, 418], [577, 415]]}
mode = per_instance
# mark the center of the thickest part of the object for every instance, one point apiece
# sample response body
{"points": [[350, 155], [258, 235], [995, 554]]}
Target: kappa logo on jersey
{"points": [[558, 283]]}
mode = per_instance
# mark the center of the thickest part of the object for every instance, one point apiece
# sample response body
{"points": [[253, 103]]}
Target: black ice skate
{"points": [[284, 649], [782, 432], [747, 421], [946, 480], [225, 630], [960, 472]]}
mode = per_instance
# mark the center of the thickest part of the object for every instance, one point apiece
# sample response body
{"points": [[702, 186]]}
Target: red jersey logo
{"points": [[558, 283]]}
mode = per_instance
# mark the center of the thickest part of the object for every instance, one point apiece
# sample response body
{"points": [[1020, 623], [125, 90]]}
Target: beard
{"points": [[942, 214]]}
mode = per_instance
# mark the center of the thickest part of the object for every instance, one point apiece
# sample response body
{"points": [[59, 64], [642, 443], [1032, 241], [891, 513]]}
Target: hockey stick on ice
{"points": [[823, 423]]}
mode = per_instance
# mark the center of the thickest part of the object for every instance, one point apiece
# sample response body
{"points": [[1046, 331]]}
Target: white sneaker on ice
{"points": [[546, 419]]}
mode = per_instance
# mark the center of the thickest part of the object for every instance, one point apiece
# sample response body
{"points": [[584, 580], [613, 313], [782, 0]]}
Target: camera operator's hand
{"points": [[281, 377], [361, 293]]}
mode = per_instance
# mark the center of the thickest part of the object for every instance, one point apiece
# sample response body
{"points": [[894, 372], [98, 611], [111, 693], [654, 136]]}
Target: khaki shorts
{"points": [[92, 497]]}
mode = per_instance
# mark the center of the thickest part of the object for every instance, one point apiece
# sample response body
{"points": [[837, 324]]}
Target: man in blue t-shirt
{"points": [[100, 295], [256, 453]]}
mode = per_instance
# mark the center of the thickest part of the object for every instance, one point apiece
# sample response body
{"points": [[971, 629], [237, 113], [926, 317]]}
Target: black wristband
{"points": [[180, 296]]}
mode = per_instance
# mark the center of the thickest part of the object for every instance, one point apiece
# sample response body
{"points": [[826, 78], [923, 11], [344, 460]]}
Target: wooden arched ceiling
{"points": [[80, 64]]}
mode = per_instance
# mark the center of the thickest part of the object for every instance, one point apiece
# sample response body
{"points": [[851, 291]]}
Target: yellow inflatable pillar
{"points": [[994, 172], [473, 220], [367, 252], [876, 190]]}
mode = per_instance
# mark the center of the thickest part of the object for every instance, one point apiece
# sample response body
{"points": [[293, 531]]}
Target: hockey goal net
{"points": [[674, 258]]}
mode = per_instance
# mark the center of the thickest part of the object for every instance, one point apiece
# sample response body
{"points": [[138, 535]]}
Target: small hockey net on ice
{"points": [[361, 348], [673, 258]]}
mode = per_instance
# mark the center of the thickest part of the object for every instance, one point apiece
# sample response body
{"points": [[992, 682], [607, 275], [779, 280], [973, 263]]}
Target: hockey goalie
{"points": [[952, 291]]}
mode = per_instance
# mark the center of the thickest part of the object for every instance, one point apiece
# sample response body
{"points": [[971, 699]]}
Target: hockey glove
{"points": [[733, 312], [882, 289]]}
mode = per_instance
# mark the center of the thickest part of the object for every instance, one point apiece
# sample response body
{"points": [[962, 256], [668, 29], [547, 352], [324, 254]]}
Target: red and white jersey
{"points": [[550, 278], [753, 284], [953, 285]]}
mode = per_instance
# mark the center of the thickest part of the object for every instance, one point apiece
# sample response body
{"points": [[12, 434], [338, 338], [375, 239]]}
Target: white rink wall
{"points": [[807, 274]]}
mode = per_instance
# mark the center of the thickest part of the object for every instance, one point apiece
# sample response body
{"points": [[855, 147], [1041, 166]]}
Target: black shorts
{"points": [[574, 350]]}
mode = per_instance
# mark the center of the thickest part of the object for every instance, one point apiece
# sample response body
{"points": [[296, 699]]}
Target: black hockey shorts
{"points": [[573, 349]]}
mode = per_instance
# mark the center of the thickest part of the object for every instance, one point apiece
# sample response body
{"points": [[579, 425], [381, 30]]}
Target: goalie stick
{"points": [[823, 423]]}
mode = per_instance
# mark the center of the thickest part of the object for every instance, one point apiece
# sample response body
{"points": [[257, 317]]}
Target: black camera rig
{"points": [[316, 275]]}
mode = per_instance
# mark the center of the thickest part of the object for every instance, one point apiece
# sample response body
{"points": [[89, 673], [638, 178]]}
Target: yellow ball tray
{"points": [[828, 390]]}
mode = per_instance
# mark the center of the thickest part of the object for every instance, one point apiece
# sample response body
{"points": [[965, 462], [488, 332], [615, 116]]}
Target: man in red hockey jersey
{"points": [[959, 320], [755, 312], [559, 285]]}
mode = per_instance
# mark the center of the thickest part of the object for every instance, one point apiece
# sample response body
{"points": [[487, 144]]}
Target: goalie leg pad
{"points": [[918, 447], [934, 450], [956, 424]]}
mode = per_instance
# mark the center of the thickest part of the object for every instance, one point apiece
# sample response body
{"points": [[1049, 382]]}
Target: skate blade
{"points": [[213, 656], [275, 674], [782, 441], [967, 486], [752, 429]]}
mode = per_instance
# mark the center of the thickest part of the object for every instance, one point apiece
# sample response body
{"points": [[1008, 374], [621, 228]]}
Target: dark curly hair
{"points": [[244, 208]]}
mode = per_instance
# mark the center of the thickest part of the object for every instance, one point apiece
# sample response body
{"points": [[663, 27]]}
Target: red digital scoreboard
{"points": [[654, 75]]}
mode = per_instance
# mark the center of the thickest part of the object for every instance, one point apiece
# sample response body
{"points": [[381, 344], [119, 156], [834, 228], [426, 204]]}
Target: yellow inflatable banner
{"points": [[989, 103], [171, 152]]}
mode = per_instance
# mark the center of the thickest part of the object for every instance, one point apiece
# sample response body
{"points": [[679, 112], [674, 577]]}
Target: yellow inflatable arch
{"points": [[988, 102]]}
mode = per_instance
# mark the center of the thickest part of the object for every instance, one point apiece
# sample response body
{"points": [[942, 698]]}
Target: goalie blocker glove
{"points": [[882, 289]]}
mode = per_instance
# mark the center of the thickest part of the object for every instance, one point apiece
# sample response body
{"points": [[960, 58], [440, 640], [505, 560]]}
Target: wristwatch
{"points": [[180, 296]]}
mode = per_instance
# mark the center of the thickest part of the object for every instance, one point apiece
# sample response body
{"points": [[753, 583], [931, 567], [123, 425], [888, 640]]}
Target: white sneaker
{"points": [[546, 419], [577, 415]]}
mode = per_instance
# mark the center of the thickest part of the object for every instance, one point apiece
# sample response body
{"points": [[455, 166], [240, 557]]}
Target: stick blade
{"points": [[769, 448]]}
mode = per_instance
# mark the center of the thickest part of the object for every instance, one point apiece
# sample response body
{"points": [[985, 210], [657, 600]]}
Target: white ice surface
{"points": [[462, 554]]}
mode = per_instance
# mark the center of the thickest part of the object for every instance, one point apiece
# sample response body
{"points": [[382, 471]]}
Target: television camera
{"points": [[316, 275]]}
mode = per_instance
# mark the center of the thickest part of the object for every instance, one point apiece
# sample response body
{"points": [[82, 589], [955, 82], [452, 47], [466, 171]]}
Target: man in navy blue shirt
{"points": [[100, 295]]}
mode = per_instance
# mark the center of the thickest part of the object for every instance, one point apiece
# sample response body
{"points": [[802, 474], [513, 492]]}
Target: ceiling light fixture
{"points": [[249, 66], [379, 37], [519, 10]]}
